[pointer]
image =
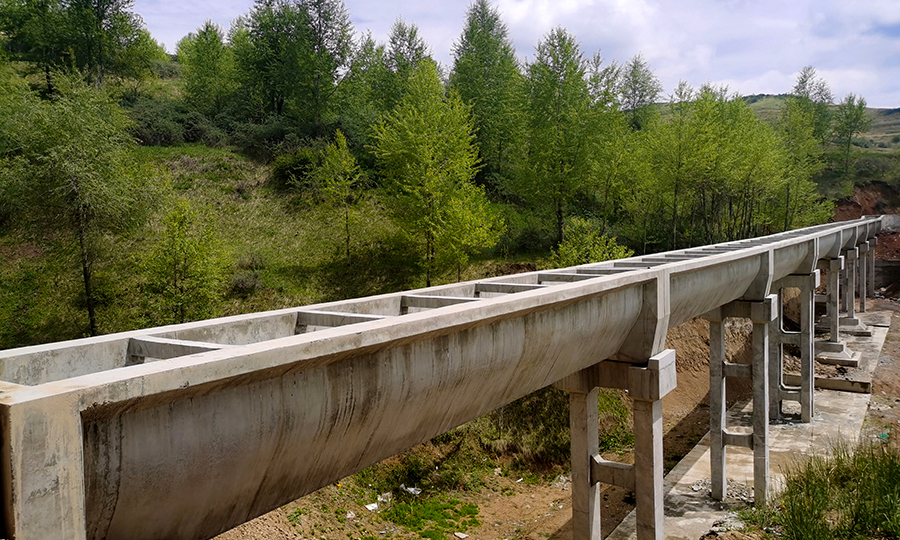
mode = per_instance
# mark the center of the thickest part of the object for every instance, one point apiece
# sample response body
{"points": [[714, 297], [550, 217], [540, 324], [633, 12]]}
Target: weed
{"points": [[852, 493]]}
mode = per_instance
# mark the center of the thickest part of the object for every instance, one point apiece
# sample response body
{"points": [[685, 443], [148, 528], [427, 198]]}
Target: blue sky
{"points": [[753, 46]]}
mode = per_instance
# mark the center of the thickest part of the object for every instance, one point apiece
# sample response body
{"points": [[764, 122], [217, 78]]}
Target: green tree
{"points": [[850, 119], [804, 159], [814, 96], [68, 165], [585, 243], [36, 31], [406, 50], [209, 72], [486, 75], [184, 271], [639, 89], [340, 178], [101, 31], [560, 126], [331, 40], [426, 150], [361, 94], [272, 48]]}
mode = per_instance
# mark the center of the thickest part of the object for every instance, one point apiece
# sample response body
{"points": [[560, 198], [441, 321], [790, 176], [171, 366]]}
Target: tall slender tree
{"points": [[486, 75], [639, 89], [559, 126], [209, 77], [69, 167], [426, 150], [850, 119]]}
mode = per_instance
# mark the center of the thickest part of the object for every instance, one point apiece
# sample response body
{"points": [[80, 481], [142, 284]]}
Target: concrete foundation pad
{"points": [[848, 359]]}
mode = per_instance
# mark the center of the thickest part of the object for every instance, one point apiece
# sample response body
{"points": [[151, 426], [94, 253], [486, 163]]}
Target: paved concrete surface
{"points": [[691, 512]]}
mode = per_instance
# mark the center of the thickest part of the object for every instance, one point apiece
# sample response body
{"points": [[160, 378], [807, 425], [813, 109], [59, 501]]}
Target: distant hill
{"points": [[884, 135]]}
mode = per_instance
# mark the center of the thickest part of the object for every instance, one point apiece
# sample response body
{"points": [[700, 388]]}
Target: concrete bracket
{"points": [[654, 381], [762, 283], [611, 472]]}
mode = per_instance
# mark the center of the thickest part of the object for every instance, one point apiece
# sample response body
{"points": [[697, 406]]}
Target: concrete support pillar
{"points": [[872, 243], [761, 313], [832, 297], [863, 275], [585, 443], [646, 385], [851, 257], [804, 340]]}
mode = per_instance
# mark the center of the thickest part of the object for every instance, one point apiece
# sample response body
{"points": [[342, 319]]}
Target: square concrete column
{"points": [[717, 410], [851, 257], [761, 313], [833, 298], [761, 316], [647, 386], [863, 275], [804, 340], [872, 243], [585, 444]]}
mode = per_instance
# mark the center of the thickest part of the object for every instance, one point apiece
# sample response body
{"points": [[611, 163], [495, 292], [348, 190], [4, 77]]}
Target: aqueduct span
{"points": [[182, 432]]}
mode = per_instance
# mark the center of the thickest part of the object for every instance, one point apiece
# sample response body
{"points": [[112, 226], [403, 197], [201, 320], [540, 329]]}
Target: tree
{"points": [[803, 160], [639, 88], [339, 176], [560, 128], [209, 71], [814, 96], [69, 168], [487, 77], [272, 46], [184, 273], [36, 32], [101, 30], [426, 150], [585, 244], [406, 51], [331, 39], [850, 119]]}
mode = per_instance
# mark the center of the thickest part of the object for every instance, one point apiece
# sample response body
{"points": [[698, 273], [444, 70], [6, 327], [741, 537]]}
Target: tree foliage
{"points": [[486, 75], [340, 178], [639, 88], [426, 150], [209, 77], [585, 243], [66, 164], [850, 119], [184, 271], [559, 126]]}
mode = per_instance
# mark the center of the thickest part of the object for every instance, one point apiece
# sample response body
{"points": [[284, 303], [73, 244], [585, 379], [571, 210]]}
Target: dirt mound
{"points": [[874, 199]]}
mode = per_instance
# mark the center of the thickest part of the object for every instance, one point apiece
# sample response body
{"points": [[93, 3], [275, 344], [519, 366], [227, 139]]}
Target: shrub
{"points": [[582, 243], [158, 121]]}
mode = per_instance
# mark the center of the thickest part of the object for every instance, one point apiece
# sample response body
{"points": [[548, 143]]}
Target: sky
{"points": [[752, 46]]}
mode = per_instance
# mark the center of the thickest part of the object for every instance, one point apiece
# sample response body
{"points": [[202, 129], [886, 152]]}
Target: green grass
{"points": [[434, 517], [854, 493]]}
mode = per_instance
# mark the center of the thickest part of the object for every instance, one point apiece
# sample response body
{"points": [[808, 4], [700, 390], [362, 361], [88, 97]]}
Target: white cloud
{"points": [[755, 46]]}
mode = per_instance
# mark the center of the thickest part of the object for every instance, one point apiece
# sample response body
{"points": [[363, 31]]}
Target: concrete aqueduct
{"points": [[182, 432]]}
